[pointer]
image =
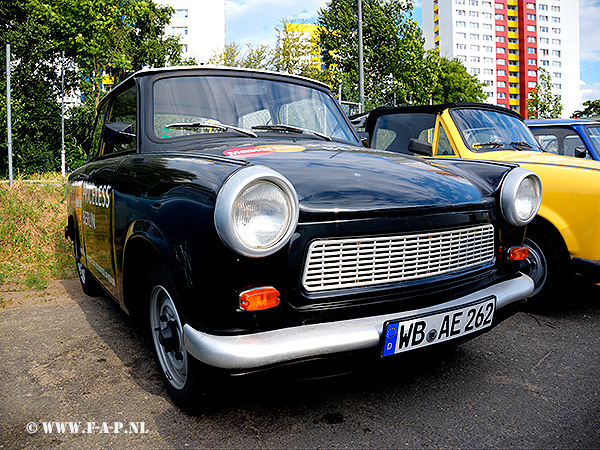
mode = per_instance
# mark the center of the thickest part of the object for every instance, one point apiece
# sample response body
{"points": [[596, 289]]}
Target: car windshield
{"points": [[198, 105], [484, 131], [593, 132]]}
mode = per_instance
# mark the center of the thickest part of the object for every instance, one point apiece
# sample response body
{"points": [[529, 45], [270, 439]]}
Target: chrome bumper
{"points": [[251, 351]]}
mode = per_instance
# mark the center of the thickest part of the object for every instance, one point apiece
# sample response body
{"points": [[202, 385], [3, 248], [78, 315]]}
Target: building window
{"points": [[475, 59], [489, 83], [488, 71], [556, 53], [530, 6], [461, 24], [513, 51], [556, 64], [462, 58], [499, 16], [543, 7], [180, 30], [487, 37], [557, 86], [544, 40], [513, 74], [499, 6], [475, 70], [487, 15], [488, 49], [532, 62], [500, 61], [474, 2], [529, 28], [473, 13], [545, 62], [461, 12], [499, 27], [531, 84], [513, 85], [474, 48], [545, 51], [530, 16], [531, 39], [556, 75], [513, 41], [488, 60], [543, 18], [180, 13], [461, 46], [556, 30], [489, 94], [555, 19], [532, 73], [487, 26], [556, 8], [486, 4], [515, 30], [462, 35], [499, 38], [501, 84], [459, 2], [474, 36], [531, 50], [555, 41], [184, 48], [501, 73], [514, 96], [501, 95], [543, 29], [474, 25], [500, 50]]}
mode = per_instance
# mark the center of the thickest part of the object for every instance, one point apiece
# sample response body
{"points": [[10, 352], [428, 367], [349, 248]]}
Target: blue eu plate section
{"points": [[423, 331]]}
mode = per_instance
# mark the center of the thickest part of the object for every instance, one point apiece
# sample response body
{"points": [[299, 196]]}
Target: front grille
{"points": [[355, 262]]}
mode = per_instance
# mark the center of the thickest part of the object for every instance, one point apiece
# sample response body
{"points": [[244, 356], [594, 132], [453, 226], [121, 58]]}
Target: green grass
{"points": [[33, 249]]}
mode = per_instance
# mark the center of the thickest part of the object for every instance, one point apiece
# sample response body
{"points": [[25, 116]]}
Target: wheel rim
{"points": [[165, 325], [535, 265], [81, 271]]}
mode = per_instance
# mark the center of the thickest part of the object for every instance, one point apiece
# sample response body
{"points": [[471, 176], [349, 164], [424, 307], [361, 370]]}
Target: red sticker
{"points": [[262, 150]]}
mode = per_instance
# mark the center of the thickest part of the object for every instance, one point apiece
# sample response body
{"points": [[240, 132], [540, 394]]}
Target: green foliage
{"points": [[542, 104], [454, 84], [33, 249], [591, 109]]}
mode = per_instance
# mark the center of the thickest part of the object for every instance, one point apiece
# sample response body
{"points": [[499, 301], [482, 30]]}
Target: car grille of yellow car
{"points": [[356, 262]]}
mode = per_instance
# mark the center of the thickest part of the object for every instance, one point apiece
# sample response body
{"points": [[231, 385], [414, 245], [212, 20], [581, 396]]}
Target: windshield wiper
{"points": [[292, 129], [489, 145], [211, 124], [520, 145]]}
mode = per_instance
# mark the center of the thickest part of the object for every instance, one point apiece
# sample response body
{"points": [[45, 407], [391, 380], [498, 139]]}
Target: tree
{"points": [[258, 57], [592, 109], [454, 84], [542, 104]]}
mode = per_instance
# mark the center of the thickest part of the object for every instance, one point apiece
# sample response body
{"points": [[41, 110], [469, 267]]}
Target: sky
{"points": [[254, 22]]}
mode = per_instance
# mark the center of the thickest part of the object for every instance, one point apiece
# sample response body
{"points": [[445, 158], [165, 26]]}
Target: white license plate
{"points": [[428, 330]]}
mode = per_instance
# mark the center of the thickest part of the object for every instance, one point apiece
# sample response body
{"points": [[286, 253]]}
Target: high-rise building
{"points": [[504, 42], [201, 25]]}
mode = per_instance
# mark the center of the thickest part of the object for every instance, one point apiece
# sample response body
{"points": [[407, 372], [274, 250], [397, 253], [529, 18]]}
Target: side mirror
{"points": [[580, 152], [420, 147], [118, 133]]}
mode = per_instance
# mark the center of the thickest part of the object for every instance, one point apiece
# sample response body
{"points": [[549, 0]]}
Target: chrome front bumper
{"points": [[250, 351]]}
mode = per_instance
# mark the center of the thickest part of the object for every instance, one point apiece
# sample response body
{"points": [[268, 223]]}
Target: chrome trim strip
{"points": [[272, 347]]}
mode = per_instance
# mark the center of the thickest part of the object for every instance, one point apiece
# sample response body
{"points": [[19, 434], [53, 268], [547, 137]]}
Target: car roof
{"points": [[556, 122], [432, 109]]}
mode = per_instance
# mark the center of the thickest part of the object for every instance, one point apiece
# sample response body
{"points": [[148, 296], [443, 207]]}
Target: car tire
{"points": [[89, 284], [184, 377], [544, 265]]}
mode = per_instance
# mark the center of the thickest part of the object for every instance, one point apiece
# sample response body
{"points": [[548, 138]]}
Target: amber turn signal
{"points": [[518, 253], [259, 299]]}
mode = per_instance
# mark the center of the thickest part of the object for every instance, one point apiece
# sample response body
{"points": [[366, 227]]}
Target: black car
{"points": [[238, 214]]}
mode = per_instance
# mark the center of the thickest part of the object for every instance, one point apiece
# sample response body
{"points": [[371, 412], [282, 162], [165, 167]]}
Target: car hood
{"points": [[527, 157], [350, 179]]}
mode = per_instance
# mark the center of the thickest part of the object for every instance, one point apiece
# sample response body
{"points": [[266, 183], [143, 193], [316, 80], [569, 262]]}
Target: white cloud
{"points": [[590, 91], [589, 18], [254, 21]]}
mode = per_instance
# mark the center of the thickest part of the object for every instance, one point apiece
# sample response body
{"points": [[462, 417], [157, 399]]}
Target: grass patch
{"points": [[33, 249]]}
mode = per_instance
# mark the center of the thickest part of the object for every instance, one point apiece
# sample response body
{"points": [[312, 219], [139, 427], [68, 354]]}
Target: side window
{"points": [[443, 146], [120, 130], [548, 142], [95, 149], [571, 142]]}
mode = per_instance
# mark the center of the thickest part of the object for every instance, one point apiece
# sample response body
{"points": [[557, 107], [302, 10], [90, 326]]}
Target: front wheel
{"points": [[89, 284], [544, 265], [181, 373]]}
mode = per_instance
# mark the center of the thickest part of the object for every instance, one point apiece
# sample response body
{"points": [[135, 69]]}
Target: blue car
{"points": [[571, 137]]}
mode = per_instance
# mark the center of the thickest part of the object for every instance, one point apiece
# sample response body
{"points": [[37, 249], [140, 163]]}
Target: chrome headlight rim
{"points": [[508, 195], [227, 199]]}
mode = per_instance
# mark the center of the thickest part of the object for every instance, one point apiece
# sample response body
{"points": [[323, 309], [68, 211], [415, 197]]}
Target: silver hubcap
{"points": [[167, 335], [535, 265], [81, 271]]}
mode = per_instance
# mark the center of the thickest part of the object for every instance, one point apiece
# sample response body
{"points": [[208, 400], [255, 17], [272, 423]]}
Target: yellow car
{"points": [[565, 236]]}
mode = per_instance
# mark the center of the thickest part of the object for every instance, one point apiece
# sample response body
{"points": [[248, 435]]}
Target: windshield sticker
{"points": [[263, 150]]}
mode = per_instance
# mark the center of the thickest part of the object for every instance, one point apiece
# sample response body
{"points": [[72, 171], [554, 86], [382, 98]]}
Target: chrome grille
{"points": [[355, 262]]}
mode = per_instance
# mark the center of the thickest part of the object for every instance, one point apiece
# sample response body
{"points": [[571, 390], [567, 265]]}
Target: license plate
{"points": [[422, 331]]}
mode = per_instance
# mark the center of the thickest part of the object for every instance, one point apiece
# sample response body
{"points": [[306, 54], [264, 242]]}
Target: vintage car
{"points": [[238, 215], [565, 236], [570, 137]]}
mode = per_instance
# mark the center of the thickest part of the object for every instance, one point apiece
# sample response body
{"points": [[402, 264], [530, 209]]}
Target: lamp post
{"points": [[361, 80]]}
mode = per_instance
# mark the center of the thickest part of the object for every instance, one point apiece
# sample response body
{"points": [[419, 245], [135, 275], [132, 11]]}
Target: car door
{"points": [[117, 139]]}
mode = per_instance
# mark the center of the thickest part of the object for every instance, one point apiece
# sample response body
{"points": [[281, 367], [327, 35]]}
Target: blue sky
{"points": [[254, 22]]}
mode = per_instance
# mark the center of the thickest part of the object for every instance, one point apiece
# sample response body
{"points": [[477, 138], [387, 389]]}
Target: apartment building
{"points": [[504, 42], [201, 25]]}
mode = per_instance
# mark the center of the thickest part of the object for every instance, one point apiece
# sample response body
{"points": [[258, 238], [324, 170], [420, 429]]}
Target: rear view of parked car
{"points": [[237, 215], [579, 138]]}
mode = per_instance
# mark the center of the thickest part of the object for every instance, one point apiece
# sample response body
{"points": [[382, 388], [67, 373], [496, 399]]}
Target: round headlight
{"points": [[521, 196], [256, 211]]}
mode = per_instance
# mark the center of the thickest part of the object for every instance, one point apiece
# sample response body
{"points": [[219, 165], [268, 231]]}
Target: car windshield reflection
{"points": [[244, 104], [484, 131]]}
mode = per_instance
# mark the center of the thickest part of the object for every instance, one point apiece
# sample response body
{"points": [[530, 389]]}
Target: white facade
{"points": [[201, 25], [467, 30]]}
